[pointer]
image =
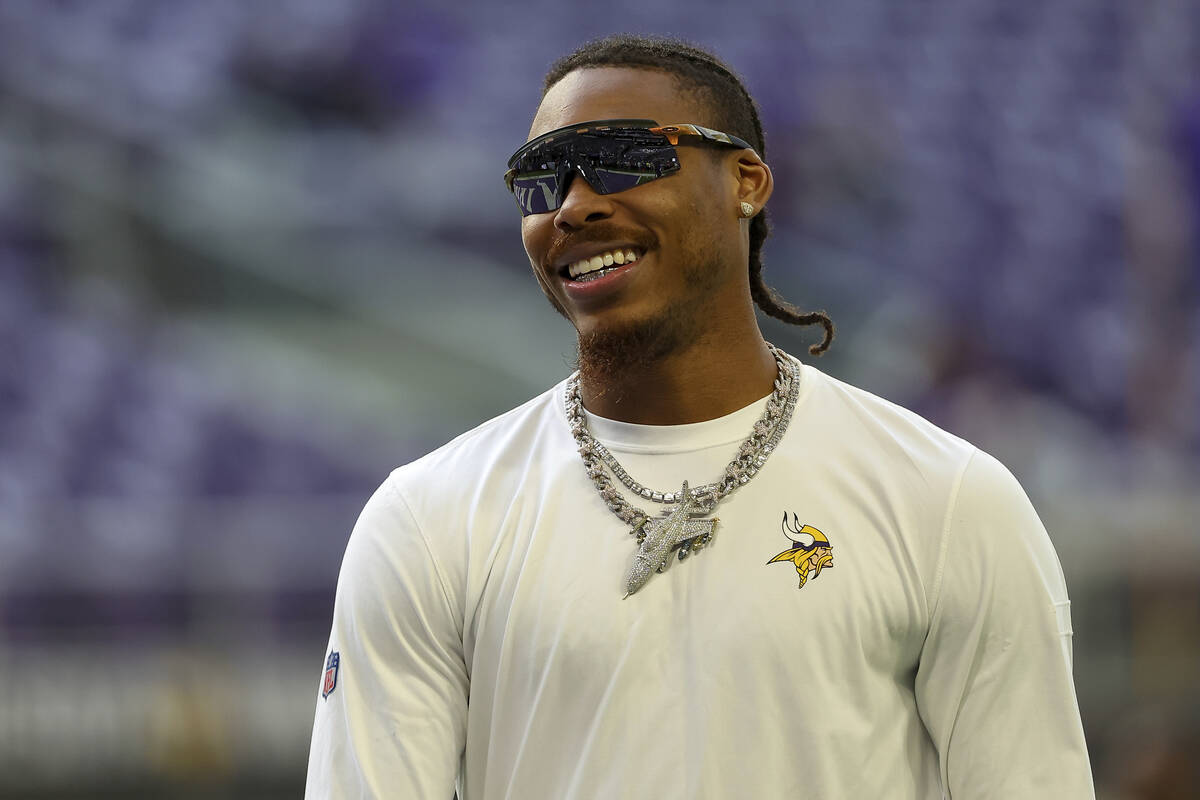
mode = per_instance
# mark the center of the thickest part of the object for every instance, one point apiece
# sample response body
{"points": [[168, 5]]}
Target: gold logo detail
{"points": [[810, 552]]}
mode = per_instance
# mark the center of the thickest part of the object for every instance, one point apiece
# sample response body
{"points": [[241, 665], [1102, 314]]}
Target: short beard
{"points": [[607, 356]]}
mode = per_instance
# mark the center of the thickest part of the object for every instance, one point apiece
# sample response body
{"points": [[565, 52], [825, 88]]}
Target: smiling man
{"points": [[587, 597]]}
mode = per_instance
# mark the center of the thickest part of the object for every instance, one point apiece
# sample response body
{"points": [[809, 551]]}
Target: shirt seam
{"points": [[652, 450], [437, 566], [620, 446], [944, 546], [625, 446]]}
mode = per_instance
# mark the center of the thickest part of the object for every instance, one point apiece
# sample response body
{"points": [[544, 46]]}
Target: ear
{"points": [[754, 180]]}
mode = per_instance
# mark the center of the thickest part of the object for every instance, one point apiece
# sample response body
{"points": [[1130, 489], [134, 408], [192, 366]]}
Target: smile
{"points": [[589, 269]]}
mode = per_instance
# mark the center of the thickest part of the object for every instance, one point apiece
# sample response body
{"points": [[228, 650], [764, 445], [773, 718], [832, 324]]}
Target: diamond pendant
{"points": [[696, 533], [659, 539]]}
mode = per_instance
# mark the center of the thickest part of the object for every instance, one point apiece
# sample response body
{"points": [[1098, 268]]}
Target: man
{"points": [[702, 569]]}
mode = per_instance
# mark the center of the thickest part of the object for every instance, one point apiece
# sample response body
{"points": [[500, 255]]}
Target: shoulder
{"points": [[862, 423], [429, 509], [992, 518], [470, 484], [492, 446], [973, 512]]}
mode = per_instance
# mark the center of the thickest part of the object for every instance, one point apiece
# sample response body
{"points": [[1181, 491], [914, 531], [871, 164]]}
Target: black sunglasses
{"points": [[612, 155]]}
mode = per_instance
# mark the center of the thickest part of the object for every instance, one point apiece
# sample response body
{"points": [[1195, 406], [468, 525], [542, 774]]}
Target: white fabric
{"points": [[482, 634]]}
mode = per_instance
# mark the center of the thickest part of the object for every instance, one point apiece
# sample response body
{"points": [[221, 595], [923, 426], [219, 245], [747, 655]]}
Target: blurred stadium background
{"points": [[252, 256]]}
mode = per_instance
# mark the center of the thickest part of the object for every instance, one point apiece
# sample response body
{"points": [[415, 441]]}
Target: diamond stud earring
{"points": [[747, 209]]}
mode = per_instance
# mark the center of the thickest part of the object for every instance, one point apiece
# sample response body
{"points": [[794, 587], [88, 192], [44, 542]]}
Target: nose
{"points": [[581, 204]]}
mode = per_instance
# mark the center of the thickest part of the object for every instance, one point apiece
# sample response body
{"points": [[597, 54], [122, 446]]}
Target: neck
{"points": [[695, 381]]}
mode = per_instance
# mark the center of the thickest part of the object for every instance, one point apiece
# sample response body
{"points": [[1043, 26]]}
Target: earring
{"points": [[747, 209]]}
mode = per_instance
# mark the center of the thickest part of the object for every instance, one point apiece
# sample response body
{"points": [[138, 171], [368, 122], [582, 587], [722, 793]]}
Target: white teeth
{"points": [[600, 262]]}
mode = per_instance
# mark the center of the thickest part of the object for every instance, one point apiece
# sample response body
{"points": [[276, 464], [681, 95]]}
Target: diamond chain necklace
{"points": [[676, 529]]}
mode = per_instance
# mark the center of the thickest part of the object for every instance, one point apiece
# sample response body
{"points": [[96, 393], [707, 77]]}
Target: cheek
{"points": [[703, 207], [535, 235], [528, 231], [703, 226]]}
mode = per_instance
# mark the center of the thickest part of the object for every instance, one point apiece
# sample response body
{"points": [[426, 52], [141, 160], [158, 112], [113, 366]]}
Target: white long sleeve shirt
{"points": [[483, 642]]}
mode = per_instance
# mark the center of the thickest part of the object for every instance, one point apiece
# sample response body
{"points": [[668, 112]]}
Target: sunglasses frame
{"points": [[684, 133]]}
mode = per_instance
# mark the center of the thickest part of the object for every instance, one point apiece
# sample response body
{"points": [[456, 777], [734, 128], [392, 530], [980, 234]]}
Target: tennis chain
{"points": [[677, 529]]}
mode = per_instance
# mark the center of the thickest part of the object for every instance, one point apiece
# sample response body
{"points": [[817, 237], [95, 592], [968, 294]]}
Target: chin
{"points": [[609, 348]]}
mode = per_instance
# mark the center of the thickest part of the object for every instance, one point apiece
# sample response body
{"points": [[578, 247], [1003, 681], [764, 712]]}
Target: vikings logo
{"points": [[811, 552]]}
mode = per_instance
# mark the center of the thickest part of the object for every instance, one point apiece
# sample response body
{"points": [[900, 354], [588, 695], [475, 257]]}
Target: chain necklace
{"points": [[676, 530]]}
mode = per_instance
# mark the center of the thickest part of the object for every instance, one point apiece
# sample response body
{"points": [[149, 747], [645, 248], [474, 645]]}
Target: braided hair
{"points": [[735, 112]]}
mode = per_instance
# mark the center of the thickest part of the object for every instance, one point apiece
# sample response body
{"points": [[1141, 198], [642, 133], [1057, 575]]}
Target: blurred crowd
{"points": [[253, 256]]}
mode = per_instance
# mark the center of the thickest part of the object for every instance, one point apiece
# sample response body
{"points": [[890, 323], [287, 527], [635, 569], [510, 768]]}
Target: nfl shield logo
{"points": [[331, 671]]}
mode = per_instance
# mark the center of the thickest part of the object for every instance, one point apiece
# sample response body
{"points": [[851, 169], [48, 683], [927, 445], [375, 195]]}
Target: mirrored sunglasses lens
{"points": [[610, 161], [618, 180], [536, 192]]}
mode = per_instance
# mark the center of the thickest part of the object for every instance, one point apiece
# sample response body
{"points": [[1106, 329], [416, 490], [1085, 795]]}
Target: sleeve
{"points": [[393, 724], [994, 685]]}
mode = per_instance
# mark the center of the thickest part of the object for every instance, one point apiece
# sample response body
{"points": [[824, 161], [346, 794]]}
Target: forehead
{"points": [[613, 93]]}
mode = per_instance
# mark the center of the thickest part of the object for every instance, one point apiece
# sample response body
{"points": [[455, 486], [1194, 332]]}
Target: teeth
{"points": [[601, 261], [591, 276]]}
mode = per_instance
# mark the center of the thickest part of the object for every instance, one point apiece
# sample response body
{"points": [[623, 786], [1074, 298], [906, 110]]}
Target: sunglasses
{"points": [[612, 155]]}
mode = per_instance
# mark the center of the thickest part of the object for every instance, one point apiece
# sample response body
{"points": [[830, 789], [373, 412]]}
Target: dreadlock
{"points": [[734, 111]]}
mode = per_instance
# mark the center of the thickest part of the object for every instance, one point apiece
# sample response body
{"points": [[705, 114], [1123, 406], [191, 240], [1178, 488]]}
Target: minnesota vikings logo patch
{"points": [[811, 551]]}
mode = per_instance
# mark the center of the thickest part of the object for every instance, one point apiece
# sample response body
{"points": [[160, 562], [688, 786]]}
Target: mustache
{"points": [[596, 232]]}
